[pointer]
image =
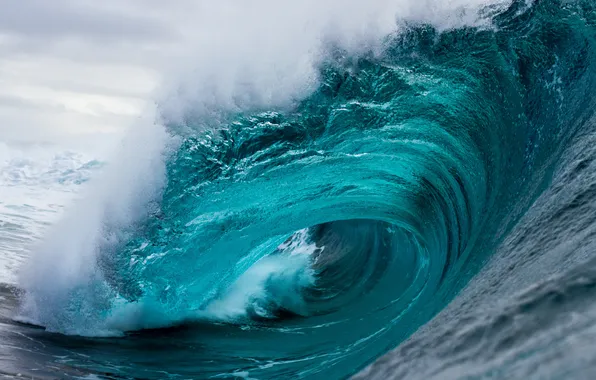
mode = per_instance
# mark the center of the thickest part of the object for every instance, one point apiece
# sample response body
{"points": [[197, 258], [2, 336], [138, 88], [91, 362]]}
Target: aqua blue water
{"points": [[307, 242]]}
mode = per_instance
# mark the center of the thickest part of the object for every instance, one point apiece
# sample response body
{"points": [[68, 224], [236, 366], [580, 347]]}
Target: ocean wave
{"points": [[305, 238]]}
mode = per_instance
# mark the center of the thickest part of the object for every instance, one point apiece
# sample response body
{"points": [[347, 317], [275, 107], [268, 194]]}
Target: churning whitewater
{"points": [[416, 175]]}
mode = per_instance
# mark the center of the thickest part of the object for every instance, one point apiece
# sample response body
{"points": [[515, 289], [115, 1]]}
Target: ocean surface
{"points": [[423, 208]]}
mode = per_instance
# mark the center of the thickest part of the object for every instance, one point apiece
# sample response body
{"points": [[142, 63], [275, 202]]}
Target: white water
{"points": [[274, 281], [265, 53], [65, 262], [236, 56]]}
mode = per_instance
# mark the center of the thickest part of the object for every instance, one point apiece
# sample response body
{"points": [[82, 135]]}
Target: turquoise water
{"points": [[307, 242]]}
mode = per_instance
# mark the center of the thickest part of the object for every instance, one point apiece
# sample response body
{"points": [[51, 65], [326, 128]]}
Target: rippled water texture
{"points": [[307, 242]]}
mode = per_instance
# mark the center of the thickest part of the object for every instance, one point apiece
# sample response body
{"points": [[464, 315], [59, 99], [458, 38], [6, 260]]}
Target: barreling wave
{"points": [[308, 241]]}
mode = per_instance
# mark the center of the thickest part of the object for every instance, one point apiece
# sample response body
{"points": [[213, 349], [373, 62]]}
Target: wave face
{"points": [[307, 241]]}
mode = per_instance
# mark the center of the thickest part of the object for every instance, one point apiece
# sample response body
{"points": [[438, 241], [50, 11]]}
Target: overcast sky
{"points": [[81, 67]]}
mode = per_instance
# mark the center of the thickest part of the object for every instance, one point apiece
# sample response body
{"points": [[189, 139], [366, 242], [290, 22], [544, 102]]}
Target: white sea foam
{"points": [[265, 53], [64, 265]]}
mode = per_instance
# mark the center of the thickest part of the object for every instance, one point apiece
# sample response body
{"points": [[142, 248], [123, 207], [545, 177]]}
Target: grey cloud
{"points": [[83, 66], [17, 104], [29, 121], [26, 105], [78, 19]]}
